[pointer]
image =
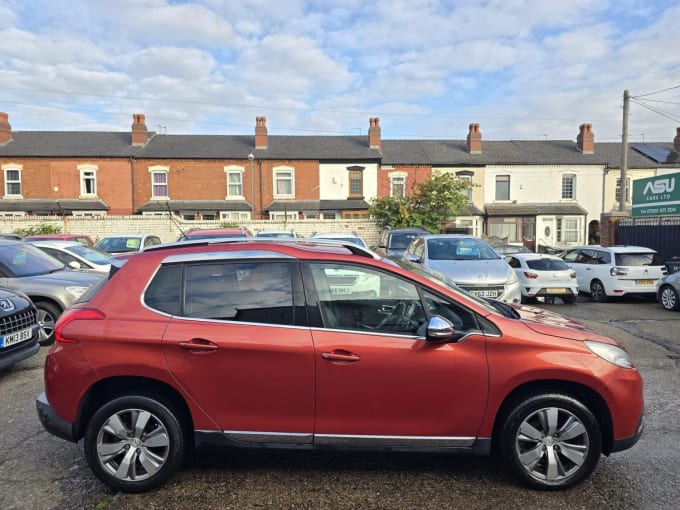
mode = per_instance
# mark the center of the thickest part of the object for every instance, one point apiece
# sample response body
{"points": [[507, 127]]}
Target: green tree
{"points": [[429, 205]]}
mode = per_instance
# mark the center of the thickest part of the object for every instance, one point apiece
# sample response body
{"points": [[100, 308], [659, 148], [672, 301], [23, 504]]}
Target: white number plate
{"points": [[339, 290], [485, 293], [15, 338]]}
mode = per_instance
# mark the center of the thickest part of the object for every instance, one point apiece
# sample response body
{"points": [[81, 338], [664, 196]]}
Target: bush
{"points": [[43, 228]]}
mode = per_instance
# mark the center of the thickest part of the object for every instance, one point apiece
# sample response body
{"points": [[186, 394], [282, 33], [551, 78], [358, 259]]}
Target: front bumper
{"points": [[628, 442], [52, 422], [10, 358]]}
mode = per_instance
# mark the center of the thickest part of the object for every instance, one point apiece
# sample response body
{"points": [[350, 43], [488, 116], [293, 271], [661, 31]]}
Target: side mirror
{"points": [[439, 329], [74, 264]]}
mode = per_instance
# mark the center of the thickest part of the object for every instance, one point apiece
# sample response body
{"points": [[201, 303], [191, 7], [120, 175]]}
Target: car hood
{"points": [[550, 323], [472, 272]]}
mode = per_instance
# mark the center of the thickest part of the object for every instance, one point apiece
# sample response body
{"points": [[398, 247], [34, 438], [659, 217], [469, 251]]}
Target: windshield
{"points": [[442, 248], [20, 260], [90, 254], [547, 265], [402, 240], [119, 244]]}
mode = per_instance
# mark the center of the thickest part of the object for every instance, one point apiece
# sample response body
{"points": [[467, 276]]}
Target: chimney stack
{"points": [[260, 132], [676, 140], [374, 137], [140, 134], [585, 141], [5, 128], [474, 140]]}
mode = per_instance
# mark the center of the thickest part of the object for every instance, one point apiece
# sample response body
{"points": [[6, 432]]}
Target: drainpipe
{"points": [[132, 182]]}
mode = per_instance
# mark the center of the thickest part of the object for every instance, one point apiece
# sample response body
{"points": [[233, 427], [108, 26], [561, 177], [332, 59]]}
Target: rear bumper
{"points": [[52, 422]]}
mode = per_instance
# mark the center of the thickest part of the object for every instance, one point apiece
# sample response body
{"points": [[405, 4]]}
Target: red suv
{"points": [[262, 343]]}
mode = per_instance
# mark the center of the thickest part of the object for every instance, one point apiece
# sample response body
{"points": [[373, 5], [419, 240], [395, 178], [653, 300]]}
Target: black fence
{"points": [[660, 234]]}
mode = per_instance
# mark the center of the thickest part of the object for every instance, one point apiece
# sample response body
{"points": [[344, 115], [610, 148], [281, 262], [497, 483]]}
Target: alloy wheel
{"points": [[669, 299]]}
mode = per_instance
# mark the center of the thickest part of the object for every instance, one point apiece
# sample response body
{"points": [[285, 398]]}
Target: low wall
{"points": [[170, 229]]}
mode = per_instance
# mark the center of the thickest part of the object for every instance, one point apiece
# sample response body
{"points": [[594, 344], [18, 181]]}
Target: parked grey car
{"points": [[51, 285], [126, 243], [468, 261], [18, 328]]}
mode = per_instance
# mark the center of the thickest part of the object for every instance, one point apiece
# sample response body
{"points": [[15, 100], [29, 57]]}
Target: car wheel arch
{"points": [[585, 394], [106, 390]]}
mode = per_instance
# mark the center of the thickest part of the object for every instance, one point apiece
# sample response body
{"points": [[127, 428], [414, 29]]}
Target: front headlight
{"points": [[611, 353], [75, 291]]}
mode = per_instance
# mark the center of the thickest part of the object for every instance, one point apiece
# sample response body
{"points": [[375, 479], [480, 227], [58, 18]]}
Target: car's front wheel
{"points": [[134, 443], [669, 299], [47, 318], [597, 292], [551, 441]]}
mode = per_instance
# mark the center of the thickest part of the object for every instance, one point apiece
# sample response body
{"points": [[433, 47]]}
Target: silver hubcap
{"points": [[597, 290], [668, 298], [46, 322], [133, 445], [552, 444]]}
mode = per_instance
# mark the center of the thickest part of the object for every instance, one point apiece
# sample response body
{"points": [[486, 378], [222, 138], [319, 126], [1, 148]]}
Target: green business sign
{"points": [[657, 196]]}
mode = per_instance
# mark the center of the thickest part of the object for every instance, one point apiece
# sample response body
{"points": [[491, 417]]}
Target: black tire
{"points": [[47, 317], [669, 299], [534, 446], [569, 300], [597, 292], [153, 453]]}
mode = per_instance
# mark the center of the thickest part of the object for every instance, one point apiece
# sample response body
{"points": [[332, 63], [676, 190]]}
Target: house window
{"points": [[88, 181], [618, 190], [283, 215], [13, 182], [159, 182], [467, 192], [88, 214], [502, 187], [284, 182], [356, 181], [567, 230], [328, 216], [398, 186], [568, 187], [234, 215], [234, 182]]}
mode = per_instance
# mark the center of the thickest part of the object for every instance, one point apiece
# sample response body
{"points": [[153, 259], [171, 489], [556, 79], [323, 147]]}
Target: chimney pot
{"points": [[140, 134], [585, 141], [474, 139], [374, 136], [5, 128]]}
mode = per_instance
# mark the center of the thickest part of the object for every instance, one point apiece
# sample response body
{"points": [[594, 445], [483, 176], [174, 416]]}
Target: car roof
{"points": [[617, 248], [127, 235], [532, 256], [56, 243], [408, 229]]}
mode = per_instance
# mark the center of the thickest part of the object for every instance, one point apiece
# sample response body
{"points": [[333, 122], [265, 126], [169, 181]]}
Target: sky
{"points": [[521, 69]]}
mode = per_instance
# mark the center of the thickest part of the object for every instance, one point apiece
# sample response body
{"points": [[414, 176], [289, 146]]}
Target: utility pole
{"points": [[624, 152]]}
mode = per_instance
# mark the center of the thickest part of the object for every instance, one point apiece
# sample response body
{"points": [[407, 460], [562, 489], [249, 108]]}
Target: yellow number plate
{"points": [[644, 282], [556, 291]]}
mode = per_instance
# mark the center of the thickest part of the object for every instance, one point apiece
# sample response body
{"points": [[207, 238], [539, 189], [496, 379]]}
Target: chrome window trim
{"points": [[269, 437]]}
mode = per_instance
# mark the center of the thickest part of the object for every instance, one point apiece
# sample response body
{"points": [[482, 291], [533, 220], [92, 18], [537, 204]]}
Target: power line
{"points": [[656, 92], [656, 110]]}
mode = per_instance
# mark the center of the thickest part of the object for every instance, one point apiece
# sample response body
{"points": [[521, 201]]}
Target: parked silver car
{"points": [[668, 291], [468, 261], [126, 243], [51, 285]]}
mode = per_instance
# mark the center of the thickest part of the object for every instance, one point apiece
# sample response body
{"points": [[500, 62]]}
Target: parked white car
{"points": [[608, 271], [76, 255], [542, 275], [468, 261]]}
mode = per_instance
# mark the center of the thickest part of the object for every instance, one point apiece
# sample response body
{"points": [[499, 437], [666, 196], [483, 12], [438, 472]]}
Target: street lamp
{"points": [[251, 158]]}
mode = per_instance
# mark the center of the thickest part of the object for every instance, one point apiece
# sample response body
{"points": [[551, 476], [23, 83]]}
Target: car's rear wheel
{"points": [[551, 441], [47, 317], [597, 292], [669, 299], [134, 443]]}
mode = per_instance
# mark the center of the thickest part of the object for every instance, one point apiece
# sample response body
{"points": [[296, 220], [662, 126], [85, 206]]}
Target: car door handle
{"points": [[198, 344], [340, 356]]}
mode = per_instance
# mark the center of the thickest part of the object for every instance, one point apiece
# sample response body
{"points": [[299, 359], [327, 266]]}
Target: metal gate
{"points": [[660, 234]]}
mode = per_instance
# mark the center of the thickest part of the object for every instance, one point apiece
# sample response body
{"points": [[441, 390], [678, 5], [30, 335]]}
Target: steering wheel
{"points": [[396, 318]]}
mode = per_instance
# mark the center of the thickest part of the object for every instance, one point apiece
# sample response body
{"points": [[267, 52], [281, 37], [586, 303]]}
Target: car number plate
{"points": [[339, 290], [644, 282], [15, 338], [485, 293], [556, 291]]}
